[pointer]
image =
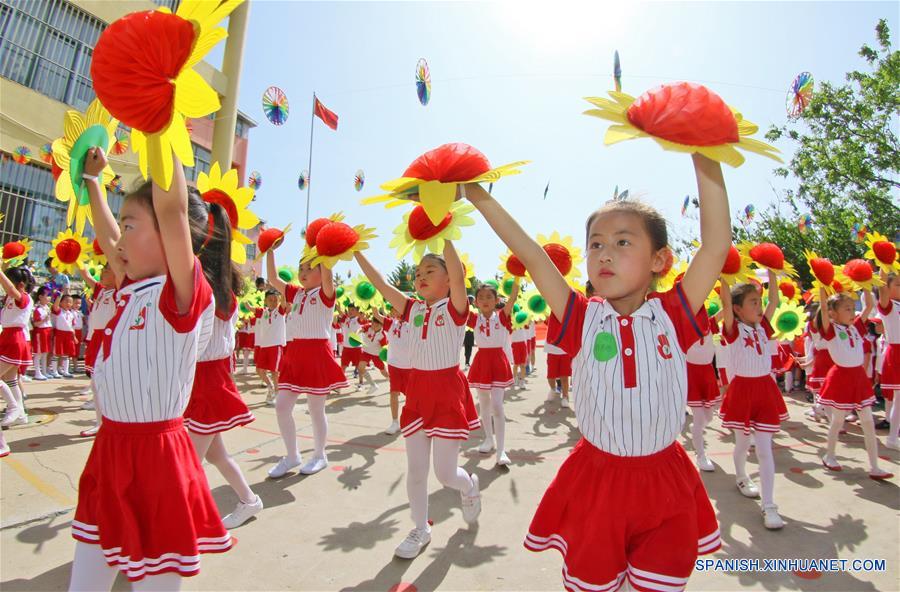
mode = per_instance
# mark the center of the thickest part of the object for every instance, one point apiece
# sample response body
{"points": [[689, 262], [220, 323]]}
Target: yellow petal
{"points": [[205, 42], [238, 253], [401, 184], [181, 141], [436, 198], [215, 173], [61, 154], [96, 114], [64, 190], [242, 196], [229, 181], [194, 97], [203, 182], [621, 133], [73, 126], [159, 156], [247, 219]]}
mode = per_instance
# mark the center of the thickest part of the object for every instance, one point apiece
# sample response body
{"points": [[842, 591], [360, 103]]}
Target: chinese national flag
{"points": [[329, 118]]}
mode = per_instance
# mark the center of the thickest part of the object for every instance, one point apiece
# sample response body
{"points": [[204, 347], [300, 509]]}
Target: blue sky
{"points": [[509, 78]]}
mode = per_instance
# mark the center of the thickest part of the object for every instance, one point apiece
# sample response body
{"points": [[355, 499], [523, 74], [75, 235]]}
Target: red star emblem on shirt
{"points": [[748, 341]]}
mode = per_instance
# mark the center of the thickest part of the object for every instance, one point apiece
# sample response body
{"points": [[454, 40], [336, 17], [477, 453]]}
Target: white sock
{"points": [[37, 364], [766, 461], [65, 366], [894, 430], [499, 417], [484, 409], [53, 364]]}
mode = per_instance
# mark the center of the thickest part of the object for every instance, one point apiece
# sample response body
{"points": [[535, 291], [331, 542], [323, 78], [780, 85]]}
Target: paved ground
{"points": [[337, 530]]}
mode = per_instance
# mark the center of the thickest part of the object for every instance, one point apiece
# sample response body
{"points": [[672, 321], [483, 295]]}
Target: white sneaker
{"points": [[14, 417], [283, 466], [564, 402], [54, 375], [26, 378], [242, 512], [892, 444], [771, 519], [270, 398], [88, 405], [503, 459], [748, 488], [89, 432], [314, 466], [67, 375], [393, 428], [471, 502], [4, 450], [552, 395], [40, 377], [486, 447], [704, 464], [373, 388], [412, 545]]}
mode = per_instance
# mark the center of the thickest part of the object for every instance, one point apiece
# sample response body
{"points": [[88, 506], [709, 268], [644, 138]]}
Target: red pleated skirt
{"points": [[703, 389], [215, 405], [753, 403], [847, 389], [439, 402], [490, 369], [308, 367]]}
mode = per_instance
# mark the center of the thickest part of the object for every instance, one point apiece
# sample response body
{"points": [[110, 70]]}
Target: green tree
{"points": [[845, 164], [402, 277]]}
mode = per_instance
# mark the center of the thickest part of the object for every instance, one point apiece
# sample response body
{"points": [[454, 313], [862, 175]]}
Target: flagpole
{"points": [[312, 127]]}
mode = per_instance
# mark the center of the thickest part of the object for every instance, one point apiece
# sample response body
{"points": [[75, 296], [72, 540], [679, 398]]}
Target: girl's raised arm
{"points": [[102, 219], [390, 293], [170, 207], [272, 273], [457, 272]]}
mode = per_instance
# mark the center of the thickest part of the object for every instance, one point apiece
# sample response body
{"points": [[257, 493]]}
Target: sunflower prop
{"points": [[70, 252], [97, 255], [468, 268], [536, 305], [432, 179], [563, 252], [789, 290], [512, 267], [788, 321], [520, 319], [143, 72], [15, 252], [676, 271], [288, 275], [736, 269], [683, 117], [417, 234], [882, 252], [312, 230], [270, 238], [713, 304], [94, 270], [505, 287], [860, 274], [336, 241], [769, 256], [363, 295], [216, 188], [823, 272], [842, 284], [96, 128]]}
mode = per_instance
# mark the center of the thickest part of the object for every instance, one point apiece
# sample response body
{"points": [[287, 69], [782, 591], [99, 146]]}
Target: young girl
{"points": [[489, 373], [144, 505], [889, 309], [399, 361], [308, 366], [559, 364], [373, 340], [42, 333], [531, 328], [520, 356], [351, 355], [703, 391], [603, 510], [63, 336], [439, 412], [14, 351], [270, 342], [246, 343], [753, 403], [103, 309], [847, 388], [215, 405], [820, 358]]}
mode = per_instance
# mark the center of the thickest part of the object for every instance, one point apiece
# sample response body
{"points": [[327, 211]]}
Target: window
{"points": [[202, 163]]}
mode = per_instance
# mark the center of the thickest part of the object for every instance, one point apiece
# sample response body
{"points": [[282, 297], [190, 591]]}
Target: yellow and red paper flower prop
{"points": [[417, 233], [97, 255], [363, 294], [70, 251], [312, 231], [736, 269], [520, 318], [96, 128], [271, 238], [860, 274], [432, 178], [789, 289], [535, 305], [789, 321], [769, 256], [684, 117], [512, 267], [15, 252], [882, 252], [216, 188], [676, 270], [143, 73], [563, 252], [338, 241], [468, 268]]}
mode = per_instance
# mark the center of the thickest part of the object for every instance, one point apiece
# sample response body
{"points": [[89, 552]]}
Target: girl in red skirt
{"points": [[270, 332], [703, 391], [889, 309], [439, 412], [63, 318], [399, 361], [817, 362], [373, 340], [489, 373], [144, 505], [351, 355], [308, 366], [847, 388], [753, 404], [42, 333], [559, 364], [602, 511], [519, 340], [103, 309], [246, 342], [14, 350]]}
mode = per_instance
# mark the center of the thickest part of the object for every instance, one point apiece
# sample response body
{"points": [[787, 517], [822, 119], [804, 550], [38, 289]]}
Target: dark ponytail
{"points": [[211, 242], [21, 275]]}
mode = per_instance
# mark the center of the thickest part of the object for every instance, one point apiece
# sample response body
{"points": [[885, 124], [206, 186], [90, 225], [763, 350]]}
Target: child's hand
{"points": [[95, 161]]}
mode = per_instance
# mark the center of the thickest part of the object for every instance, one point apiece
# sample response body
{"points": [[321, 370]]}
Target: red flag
{"points": [[329, 118]]}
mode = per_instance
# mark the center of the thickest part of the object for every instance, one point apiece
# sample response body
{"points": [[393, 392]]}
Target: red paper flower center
{"points": [[268, 238], [449, 163], [768, 255], [13, 249], [96, 247], [421, 228], [823, 270], [560, 256], [515, 267], [732, 261], [135, 63], [313, 230], [885, 252], [787, 290], [68, 250], [858, 270], [684, 113], [335, 239], [217, 196], [838, 286]]}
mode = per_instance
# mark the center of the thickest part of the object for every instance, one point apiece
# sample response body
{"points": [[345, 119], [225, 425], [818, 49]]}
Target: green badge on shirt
{"points": [[418, 320], [605, 347], [842, 335]]}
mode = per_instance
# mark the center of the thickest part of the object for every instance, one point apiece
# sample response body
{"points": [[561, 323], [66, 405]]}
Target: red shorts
{"points": [[603, 513], [559, 366], [143, 497], [490, 369], [439, 402], [14, 348], [351, 356], [63, 343], [520, 352], [847, 389], [371, 359], [40, 340], [308, 366], [703, 390], [268, 358], [215, 405], [398, 378], [753, 404], [246, 340], [890, 375]]}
